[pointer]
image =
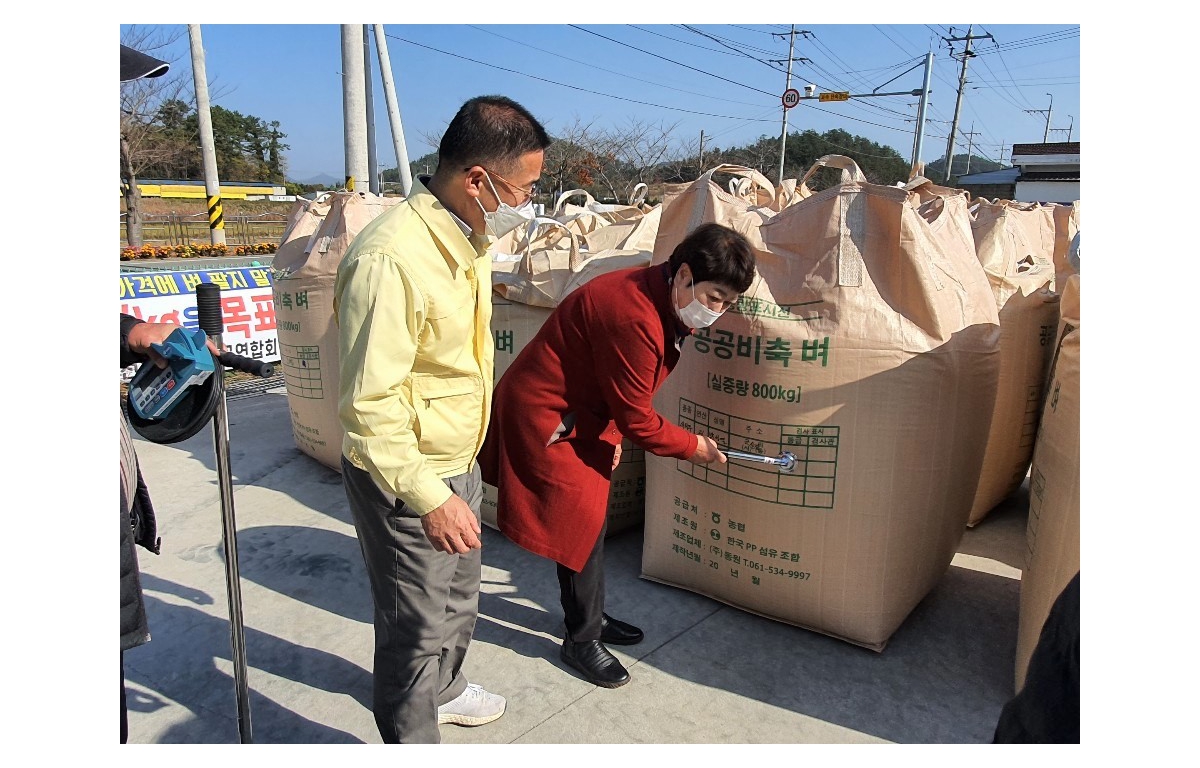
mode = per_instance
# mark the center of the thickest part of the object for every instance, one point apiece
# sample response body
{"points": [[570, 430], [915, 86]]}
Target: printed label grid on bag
{"points": [[810, 484], [302, 370]]}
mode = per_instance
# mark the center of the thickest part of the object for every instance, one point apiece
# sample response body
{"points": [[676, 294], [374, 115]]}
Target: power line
{"points": [[889, 37], [1010, 78], [565, 85], [612, 71], [748, 29], [664, 58], [1034, 84], [730, 47], [682, 42], [721, 38], [883, 70], [771, 111], [1034, 41], [831, 54]]}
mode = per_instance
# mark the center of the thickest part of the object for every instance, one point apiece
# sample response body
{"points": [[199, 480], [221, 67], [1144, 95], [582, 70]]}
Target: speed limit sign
{"points": [[791, 97]]}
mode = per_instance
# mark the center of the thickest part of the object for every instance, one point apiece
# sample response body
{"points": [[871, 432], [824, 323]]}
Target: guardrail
{"points": [[178, 229]]}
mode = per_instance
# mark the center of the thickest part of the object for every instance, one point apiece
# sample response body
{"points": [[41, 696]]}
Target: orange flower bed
{"points": [[192, 250]]}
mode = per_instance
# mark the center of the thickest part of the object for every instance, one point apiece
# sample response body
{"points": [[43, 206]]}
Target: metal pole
{"points": [[970, 146], [372, 156], [208, 310], [701, 150], [962, 81], [389, 91], [788, 84], [212, 184], [354, 110], [921, 110], [1070, 127], [1050, 111]]}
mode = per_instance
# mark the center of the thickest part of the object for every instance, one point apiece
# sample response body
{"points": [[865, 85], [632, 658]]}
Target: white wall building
{"points": [[1049, 172]]}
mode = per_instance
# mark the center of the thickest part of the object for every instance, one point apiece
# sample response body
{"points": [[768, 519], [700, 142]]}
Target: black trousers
{"points": [[582, 594], [1046, 710], [124, 706]]}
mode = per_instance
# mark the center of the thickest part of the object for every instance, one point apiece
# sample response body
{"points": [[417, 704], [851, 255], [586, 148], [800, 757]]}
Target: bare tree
{"points": [[629, 155], [140, 100], [144, 105], [762, 156], [682, 163], [571, 158]]}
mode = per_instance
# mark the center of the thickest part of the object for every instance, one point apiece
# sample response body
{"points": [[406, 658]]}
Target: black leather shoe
{"points": [[614, 632], [595, 663]]}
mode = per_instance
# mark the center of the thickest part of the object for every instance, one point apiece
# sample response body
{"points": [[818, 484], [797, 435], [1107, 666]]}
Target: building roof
{"points": [[1052, 148], [1049, 176], [1002, 176]]}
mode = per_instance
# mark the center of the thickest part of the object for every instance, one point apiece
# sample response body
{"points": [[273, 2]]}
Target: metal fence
{"points": [[178, 229]]}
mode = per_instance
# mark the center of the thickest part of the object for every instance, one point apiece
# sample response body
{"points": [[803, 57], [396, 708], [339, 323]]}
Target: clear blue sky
{"points": [[291, 73]]}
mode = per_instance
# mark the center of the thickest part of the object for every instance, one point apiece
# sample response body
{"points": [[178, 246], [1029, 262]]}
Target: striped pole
{"points": [[216, 220]]}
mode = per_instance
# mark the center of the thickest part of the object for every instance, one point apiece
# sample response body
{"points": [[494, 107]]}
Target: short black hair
{"points": [[492, 131], [717, 253]]}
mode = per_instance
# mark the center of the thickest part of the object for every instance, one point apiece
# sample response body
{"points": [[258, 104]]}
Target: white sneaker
{"points": [[474, 706]]}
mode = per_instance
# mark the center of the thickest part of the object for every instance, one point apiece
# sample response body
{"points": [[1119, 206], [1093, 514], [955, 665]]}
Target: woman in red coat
{"points": [[585, 380]]}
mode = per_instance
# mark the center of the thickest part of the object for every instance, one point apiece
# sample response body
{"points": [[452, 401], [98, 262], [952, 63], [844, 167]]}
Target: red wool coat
{"points": [[587, 378]]}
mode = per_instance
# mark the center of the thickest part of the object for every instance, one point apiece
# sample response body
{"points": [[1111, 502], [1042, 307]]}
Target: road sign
{"points": [[834, 96], [791, 97]]}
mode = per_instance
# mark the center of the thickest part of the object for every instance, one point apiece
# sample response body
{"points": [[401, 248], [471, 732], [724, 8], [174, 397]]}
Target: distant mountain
{"points": [[937, 169], [323, 179]]}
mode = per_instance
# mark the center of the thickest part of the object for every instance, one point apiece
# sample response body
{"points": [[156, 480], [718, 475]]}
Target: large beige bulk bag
{"points": [[870, 352], [609, 212], [788, 192], [1066, 224], [1036, 223], [547, 265], [706, 201], [304, 270], [1052, 531], [636, 233], [1021, 275]]}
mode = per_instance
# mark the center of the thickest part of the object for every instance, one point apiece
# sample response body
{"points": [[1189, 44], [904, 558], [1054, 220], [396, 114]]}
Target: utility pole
{"points": [[372, 155], [212, 183], [1068, 129], [1046, 135], [701, 150], [354, 110], [788, 84], [389, 92], [970, 145], [962, 81]]}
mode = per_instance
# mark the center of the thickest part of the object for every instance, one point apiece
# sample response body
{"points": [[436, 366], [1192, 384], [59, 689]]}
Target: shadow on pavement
{"points": [[183, 654]]}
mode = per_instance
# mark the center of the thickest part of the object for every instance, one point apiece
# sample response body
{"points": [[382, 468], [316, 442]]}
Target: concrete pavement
{"points": [[706, 673]]}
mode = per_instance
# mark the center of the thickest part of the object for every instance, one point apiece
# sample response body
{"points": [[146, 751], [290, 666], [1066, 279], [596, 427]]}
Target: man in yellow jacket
{"points": [[413, 304]]}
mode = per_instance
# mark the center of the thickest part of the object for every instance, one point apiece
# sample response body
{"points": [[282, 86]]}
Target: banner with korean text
{"points": [[247, 304]]}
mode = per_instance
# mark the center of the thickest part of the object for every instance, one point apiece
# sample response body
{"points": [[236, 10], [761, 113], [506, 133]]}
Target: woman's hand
{"points": [[707, 451], [616, 458]]}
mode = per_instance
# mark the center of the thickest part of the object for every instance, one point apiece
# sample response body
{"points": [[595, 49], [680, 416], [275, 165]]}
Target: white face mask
{"points": [[695, 315], [505, 219]]}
